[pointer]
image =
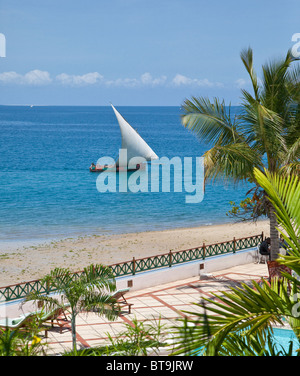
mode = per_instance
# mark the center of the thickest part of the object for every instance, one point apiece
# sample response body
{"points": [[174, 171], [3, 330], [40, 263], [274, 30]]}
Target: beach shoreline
{"points": [[28, 263]]}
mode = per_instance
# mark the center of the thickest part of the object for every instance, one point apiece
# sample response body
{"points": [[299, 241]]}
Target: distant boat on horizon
{"points": [[135, 146]]}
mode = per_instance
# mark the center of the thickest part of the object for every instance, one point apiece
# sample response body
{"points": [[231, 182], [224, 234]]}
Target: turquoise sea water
{"points": [[47, 191]]}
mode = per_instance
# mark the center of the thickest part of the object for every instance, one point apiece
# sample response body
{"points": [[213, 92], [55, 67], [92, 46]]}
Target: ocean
{"points": [[47, 191]]}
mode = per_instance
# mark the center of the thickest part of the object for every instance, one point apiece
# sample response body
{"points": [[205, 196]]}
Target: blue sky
{"points": [[137, 52]]}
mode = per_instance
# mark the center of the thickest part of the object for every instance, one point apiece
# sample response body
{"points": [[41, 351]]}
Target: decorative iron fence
{"points": [[134, 266]]}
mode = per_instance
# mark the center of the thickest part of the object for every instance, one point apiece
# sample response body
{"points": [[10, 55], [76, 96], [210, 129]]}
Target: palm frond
{"points": [[284, 194], [234, 161], [293, 154], [247, 59], [250, 310], [210, 121], [276, 95], [265, 130]]}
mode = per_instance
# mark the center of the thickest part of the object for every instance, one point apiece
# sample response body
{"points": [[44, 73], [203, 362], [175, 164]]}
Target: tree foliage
{"points": [[87, 291], [240, 321], [265, 133]]}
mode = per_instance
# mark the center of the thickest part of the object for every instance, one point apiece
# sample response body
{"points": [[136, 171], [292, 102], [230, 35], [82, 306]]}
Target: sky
{"points": [[137, 52]]}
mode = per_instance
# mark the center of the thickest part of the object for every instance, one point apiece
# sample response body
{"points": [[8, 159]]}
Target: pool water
{"points": [[283, 337]]}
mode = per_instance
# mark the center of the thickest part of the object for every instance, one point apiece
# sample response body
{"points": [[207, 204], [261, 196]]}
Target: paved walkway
{"points": [[166, 301]]}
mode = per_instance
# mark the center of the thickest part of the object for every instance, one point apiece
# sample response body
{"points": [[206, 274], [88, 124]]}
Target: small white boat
{"points": [[135, 146]]}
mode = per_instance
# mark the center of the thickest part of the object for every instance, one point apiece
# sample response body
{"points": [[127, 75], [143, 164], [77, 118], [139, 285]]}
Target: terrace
{"points": [[166, 300]]}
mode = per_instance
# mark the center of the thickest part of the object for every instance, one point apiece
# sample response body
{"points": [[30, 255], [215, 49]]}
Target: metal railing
{"points": [[134, 266]]}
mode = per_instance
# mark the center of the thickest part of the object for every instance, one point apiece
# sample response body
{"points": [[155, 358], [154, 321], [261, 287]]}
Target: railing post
{"points": [[170, 258], [234, 245], [133, 266], [47, 287], [262, 236], [204, 248]]}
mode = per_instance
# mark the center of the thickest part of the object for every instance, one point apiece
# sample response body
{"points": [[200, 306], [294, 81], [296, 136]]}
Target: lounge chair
{"points": [[38, 317], [20, 322], [119, 296], [55, 316]]}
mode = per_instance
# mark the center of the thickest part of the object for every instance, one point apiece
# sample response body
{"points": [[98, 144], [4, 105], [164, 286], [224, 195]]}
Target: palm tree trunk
{"points": [[273, 235], [73, 325]]}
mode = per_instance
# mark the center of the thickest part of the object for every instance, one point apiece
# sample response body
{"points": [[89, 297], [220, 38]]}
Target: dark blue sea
{"points": [[47, 191]]}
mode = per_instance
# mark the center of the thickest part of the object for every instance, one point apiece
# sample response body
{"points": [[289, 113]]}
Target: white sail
{"points": [[133, 142]]}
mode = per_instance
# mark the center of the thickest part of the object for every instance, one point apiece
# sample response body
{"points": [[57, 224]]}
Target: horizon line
{"points": [[94, 105]]}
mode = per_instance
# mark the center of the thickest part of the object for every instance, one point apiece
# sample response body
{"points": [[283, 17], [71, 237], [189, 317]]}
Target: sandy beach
{"points": [[23, 264]]}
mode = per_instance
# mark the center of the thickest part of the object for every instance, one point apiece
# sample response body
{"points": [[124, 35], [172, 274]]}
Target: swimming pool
{"points": [[282, 337]]}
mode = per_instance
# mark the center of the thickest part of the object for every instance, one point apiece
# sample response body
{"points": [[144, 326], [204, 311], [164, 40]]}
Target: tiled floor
{"points": [[167, 301]]}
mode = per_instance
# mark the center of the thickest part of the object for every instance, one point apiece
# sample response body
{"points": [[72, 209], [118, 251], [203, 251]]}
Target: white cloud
{"points": [[145, 79], [34, 77], [77, 80], [37, 77], [10, 77], [180, 80], [127, 82]]}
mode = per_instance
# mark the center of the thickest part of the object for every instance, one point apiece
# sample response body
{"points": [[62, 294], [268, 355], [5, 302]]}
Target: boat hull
{"points": [[98, 168]]}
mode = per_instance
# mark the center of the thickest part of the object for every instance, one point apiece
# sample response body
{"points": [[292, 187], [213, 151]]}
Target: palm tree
{"points": [[264, 134], [87, 291], [241, 320]]}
